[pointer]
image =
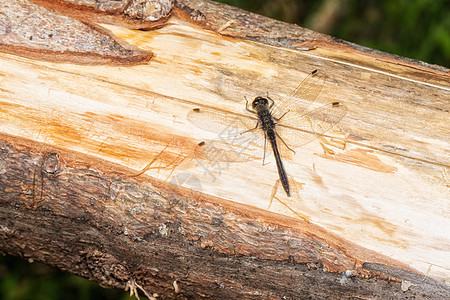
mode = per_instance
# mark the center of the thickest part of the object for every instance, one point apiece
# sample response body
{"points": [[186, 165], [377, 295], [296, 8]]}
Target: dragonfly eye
{"points": [[259, 102]]}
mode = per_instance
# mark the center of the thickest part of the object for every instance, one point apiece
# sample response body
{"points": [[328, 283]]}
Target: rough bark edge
{"points": [[75, 41], [138, 57], [91, 14], [88, 217], [220, 18]]}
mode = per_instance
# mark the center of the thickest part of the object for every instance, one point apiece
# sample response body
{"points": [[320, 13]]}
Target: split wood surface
{"points": [[98, 173]]}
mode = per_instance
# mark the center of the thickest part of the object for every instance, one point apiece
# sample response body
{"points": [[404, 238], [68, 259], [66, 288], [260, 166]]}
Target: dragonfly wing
{"points": [[238, 139], [223, 123], [300, 130], [301, 98], [240, 148]]}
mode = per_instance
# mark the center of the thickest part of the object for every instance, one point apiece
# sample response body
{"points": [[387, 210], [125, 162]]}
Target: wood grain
{"points": [[89, 217], [33, 31], [378, 180]]}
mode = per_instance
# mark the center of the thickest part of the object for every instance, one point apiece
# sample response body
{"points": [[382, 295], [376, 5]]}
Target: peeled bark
{"points": [[99, 176]]}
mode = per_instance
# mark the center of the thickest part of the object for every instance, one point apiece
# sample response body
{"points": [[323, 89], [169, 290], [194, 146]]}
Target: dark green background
{"points": [[418, 29]]}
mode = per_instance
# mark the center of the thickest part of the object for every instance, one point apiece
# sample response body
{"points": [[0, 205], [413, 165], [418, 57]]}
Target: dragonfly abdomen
{"points": [[270, 133]]}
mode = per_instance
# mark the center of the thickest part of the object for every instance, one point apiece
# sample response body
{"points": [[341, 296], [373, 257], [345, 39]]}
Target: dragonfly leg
{"points": [[273, 102], [278, 119], [246, 106], [284, 142], [248, 130]]}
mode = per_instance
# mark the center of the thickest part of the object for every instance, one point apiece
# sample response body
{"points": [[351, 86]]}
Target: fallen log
{"points": [[99, 174]]}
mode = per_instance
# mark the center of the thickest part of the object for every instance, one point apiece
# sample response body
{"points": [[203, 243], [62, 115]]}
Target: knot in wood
{"points": [[149, 10]]}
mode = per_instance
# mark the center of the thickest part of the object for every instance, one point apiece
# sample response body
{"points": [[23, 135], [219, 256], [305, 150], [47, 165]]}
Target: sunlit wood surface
{"points": [[379, 179]]}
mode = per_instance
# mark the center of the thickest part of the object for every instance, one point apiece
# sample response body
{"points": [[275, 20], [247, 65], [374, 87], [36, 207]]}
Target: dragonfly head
{"points": [[259, 103]]}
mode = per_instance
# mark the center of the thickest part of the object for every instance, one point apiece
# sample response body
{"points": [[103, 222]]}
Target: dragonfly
{"points": [[287, 122]]}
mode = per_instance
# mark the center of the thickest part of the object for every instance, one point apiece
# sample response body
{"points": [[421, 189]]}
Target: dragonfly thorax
{"points": [[260, 103]]}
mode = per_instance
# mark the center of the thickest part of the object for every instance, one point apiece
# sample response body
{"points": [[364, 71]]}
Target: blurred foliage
{"points": [[417, 29], [20, 280]]}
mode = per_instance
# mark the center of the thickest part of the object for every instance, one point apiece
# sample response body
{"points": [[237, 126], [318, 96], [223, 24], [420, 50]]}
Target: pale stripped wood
{"points": [[382, 181]]}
